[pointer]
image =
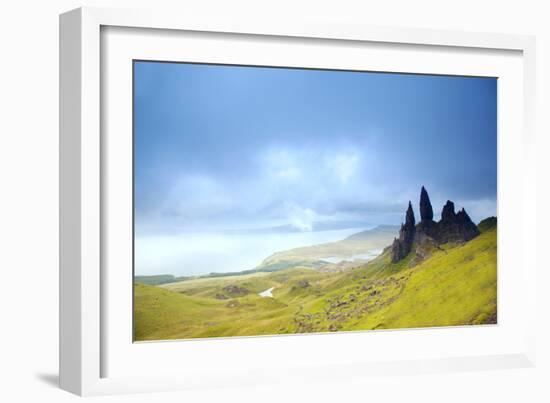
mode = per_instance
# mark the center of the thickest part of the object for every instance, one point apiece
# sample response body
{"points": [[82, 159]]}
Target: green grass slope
{"points": [[456, 285], [487, 224], [158, 279]]}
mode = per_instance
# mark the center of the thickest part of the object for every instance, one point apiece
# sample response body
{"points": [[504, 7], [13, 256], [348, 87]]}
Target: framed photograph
{"points": [[245, 201]]}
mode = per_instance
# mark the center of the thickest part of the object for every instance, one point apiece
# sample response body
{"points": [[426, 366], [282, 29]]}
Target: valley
{"points": [[451, 284]]}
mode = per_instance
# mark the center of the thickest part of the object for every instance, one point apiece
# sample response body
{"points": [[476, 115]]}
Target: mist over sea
{"points": [[202, 253]]}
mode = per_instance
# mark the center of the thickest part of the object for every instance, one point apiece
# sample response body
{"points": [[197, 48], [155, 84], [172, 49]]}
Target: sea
{"points": [[199, 253]]}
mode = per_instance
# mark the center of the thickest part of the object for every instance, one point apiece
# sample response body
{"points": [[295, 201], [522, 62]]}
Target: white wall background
{"points": [[29, 187]]}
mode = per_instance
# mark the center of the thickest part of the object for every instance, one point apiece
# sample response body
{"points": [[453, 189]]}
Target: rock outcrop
{"points": [[455, 227], [428, 234], [426, 211], [402, 246], [427, 227], [235, 290]]}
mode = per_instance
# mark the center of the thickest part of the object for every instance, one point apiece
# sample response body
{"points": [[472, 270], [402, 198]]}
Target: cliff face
{"points": [[426, 211], [453, 227], [401, 247], [427, 227]]}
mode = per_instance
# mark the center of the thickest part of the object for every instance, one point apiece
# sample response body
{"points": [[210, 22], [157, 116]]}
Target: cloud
{"points": [[299, 217], [296, 186], [281, 164], [198, 196], [343, 165], [234, 145], [284, 185]]}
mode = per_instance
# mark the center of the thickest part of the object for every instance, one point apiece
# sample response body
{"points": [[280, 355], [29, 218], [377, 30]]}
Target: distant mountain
{"points": [[315, 226], [158, 279], [362, 246], [287, 228], [375, 233], [350, 252]]}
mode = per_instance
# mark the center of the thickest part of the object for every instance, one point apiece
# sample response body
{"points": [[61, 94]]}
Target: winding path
{"points": [[267, 293]]}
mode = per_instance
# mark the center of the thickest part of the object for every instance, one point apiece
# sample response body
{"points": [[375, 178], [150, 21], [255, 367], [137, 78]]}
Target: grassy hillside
{"points": [[487, 224], [456, 285], [158, 279]]}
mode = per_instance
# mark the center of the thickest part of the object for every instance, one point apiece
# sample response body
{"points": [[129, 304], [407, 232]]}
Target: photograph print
{"points": [[272, 200]]}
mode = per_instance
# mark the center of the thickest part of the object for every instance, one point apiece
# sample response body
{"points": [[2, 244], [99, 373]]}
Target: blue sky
{"points": [[227, 147]]}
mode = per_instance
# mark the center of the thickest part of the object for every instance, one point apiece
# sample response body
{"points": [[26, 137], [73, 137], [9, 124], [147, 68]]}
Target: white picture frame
{"points": [[88, 339]]}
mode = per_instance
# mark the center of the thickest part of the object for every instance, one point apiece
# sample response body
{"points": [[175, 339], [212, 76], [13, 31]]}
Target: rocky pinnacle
{"points": [[403, 245], [448, 212], [409, 219], [426, 211], [453, 227]]}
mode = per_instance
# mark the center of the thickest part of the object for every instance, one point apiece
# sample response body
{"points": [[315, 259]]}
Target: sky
{"points": [[240, 148]]}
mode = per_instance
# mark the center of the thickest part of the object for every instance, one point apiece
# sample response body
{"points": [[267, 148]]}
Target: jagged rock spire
{"points": [[402, 246], [453, 227], [426, 211], [463, 217], [409, 219], [448, 212]]}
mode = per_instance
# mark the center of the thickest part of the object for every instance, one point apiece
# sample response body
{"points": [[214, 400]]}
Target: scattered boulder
{"points": [[299, 286], [233, 303], [235, 290]]}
